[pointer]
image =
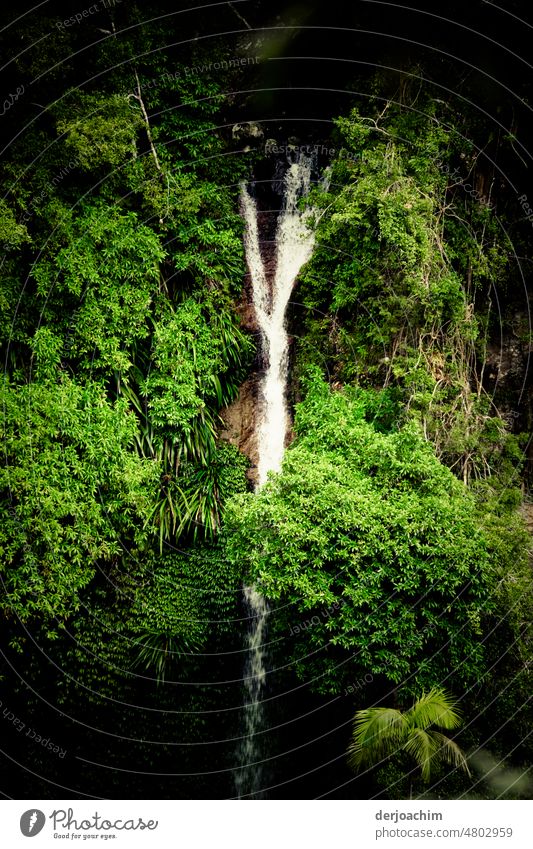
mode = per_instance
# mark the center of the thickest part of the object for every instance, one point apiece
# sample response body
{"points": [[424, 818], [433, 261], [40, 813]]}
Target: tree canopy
{"points": [[370, 524]]}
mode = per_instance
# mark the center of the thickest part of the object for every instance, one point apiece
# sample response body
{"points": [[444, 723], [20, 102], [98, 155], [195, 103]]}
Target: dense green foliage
{"points": [[121, 261], [159, 614], [370, 526], [403, 257], [75, 494], [390, 546]]}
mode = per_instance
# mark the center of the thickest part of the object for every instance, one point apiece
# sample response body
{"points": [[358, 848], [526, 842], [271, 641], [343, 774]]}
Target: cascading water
{"points": [[248, 777], [294, 245]]}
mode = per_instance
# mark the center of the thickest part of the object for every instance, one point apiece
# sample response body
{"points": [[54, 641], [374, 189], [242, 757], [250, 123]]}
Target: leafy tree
{"points": [[73, 494], [196, 350], [380, 733], [367, 532], [400, 261], [12, 234], [198, 358], [109, 274]]}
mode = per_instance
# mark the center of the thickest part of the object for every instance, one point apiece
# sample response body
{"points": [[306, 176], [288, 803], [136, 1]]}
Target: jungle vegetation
{"points": [[128, 525]]}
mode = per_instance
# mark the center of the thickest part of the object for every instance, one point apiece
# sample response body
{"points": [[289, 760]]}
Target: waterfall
{"points": [[294, 245], [248, 777]]}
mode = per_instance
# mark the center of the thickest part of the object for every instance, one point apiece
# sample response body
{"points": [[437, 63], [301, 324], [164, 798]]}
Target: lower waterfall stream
{"points": [[294, 244]]}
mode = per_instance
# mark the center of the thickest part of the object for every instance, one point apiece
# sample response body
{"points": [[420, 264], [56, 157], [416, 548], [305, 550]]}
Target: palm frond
{"points": [[450, 752], [377, 733], [158, 652], [381, 732], [188, 499], [436, 707], [422, 748]]}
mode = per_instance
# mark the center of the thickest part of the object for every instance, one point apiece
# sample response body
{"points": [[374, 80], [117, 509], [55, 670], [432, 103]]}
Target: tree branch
{"points": [[138, 97]]}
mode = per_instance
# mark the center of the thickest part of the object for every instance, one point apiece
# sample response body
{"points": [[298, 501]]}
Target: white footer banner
{"points": [[268, 824]]}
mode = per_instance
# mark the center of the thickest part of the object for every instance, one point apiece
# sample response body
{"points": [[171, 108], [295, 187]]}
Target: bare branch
{"points": [[138, 97]]}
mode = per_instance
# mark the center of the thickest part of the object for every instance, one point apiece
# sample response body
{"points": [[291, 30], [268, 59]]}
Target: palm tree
{"points": [[381, 732]]}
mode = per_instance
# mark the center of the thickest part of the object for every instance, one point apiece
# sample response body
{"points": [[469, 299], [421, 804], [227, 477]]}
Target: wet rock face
{"points": [[248, 131], [506, 362], [508, 378], [240, 418], [239, 423], [507, 373]]}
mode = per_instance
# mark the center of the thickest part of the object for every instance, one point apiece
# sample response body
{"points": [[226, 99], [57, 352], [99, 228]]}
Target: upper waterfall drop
{"points": [[294, 246]]}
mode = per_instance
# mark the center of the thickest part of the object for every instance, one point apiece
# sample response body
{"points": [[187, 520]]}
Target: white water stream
{"points": [[294, 245]]}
